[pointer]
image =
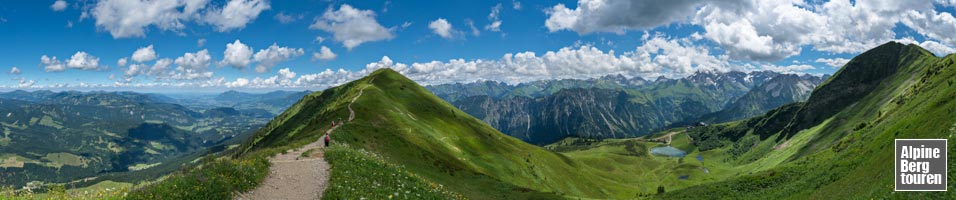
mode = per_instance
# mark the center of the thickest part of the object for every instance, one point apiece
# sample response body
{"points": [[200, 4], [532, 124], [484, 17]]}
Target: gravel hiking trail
{"points": [[294, 175], [666, 138]]}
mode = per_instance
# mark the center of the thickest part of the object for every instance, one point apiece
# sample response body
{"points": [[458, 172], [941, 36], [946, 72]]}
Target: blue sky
{"points": [[434, 42]]}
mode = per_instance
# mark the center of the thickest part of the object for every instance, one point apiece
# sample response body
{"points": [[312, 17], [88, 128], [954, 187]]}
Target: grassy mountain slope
{"points": [[406, 125], [843, 154], [839, 144]]}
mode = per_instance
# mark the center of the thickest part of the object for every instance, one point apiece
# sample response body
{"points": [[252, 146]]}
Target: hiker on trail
{"points": [[327, 138]]}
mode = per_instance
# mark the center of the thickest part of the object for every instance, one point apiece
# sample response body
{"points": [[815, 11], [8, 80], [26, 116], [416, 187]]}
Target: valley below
{"points": [[82, 138]]}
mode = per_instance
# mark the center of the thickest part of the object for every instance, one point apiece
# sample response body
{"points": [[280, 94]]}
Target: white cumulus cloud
{"points": [[287, 18], [789, 69], [236, 55], [83, 61], [285, 73], [26, 83], [494, 17], [766, 30], [144, 54], [442, 28], [833, 62], [283, 79], [328, 78], [51, 64], [352, 26], [940, 26], [236, 14], [272, 56], [238, 83], [131, 18], [324, 54], [160, 68], [659, 56], [122, 62], [932, 46], [192, 66], [58, 5], [198, 60], [133, 70], [617, 15]]}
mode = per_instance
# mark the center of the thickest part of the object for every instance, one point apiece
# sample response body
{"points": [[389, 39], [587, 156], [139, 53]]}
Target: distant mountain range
{"points": [[543, 112], [61, 136], [778, 91]]}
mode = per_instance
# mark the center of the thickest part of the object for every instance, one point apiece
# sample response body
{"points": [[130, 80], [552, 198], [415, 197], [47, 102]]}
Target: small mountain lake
{"points": [[668, 151], [683, 177]]}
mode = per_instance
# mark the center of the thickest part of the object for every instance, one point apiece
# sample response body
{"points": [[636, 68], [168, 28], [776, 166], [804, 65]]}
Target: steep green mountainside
{"points": [[56, 137], [839, 144], [865, 73], [403, 122], [610, 107]]}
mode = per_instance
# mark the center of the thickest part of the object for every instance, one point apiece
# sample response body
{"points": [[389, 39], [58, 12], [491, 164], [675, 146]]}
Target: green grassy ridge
{"points": [[858, 78], [382, 134], [358, 174], [409, 127], [849, 155], [216, 178], [238, 170]]}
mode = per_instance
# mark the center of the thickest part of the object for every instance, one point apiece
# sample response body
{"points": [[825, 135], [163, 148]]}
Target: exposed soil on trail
{"points": [[294, 175]]}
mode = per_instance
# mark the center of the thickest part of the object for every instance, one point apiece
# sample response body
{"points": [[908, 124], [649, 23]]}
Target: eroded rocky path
{"points": [[300, 173], [294, 175]]}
